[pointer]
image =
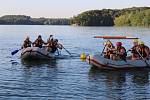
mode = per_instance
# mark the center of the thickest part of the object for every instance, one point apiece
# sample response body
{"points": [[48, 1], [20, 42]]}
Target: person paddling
{"points": [[119, 53], [143, 51], [56, 45], [38, 42], [108, 50], [135, 55], [50, 38], [26, 43], [50, 42]]}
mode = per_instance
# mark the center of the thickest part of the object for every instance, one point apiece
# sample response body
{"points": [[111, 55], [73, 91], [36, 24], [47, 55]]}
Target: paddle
{"points": [[66, 50], [143, 58], [58, 52], [15, 51], [103, 50]]}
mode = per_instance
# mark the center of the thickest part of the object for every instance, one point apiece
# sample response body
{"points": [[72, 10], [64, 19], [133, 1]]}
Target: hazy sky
{"points": [[62, 8]]}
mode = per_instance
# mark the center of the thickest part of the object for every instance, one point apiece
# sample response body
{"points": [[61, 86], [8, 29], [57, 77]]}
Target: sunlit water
{"points": [[68, 79]]}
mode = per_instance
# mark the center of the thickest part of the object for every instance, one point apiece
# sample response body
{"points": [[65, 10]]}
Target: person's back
{"points": [[39, 42], [54, 45], [49, 45], [27, 43], [50, 39]]}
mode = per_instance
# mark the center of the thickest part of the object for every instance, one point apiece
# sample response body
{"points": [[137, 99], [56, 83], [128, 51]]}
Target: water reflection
{"points": [[33, 63], [140, 77], [121, 84], [38, 79]]}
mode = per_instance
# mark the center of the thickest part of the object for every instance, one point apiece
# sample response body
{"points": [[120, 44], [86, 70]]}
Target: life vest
{"points": [[109, 51], [39, 43], [124, 54], [27, 44], [142, 51], [54, 47], [134, 49]]}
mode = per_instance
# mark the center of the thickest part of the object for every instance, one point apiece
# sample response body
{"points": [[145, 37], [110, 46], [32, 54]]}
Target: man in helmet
{"points": [[26, 43], [119, 52], [50, 38], [56, 45], [39, 42], [135, 55], [143, 50]]}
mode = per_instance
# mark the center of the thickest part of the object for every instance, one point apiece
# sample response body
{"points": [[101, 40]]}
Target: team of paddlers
{"points": [[138, 51], [118, 52], [51, 45]]}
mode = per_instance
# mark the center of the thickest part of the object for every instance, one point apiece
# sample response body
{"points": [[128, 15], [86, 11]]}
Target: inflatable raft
{"points": [[38, 53], [99, 61]]}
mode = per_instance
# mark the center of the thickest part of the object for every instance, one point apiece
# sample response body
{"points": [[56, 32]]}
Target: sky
{"points": [[63, 8]]}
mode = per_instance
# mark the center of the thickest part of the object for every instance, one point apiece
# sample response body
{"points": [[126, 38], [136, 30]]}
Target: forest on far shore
{"points": [[27, 20], [135, 16]]}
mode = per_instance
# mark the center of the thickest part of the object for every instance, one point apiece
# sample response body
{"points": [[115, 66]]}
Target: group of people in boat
{"points": [[51, 45], [118, 52]]}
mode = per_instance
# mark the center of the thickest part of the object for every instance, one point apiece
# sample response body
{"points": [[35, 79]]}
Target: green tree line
{"points": [[136, 16], [27, 20]]}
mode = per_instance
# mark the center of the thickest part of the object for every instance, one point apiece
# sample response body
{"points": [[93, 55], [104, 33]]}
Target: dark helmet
{"points": [[39, 36], [27, 38], [51, 36]]}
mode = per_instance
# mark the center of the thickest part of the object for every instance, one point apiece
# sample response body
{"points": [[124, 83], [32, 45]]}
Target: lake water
{"points": [[68, 79]]}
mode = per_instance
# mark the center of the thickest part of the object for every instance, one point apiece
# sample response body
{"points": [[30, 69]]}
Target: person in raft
{"points": [[143, 50], [108, 49], [38, 42], [134, 53], [50, 42], [26, 43], [55, 46], [119, 53], [50, 38]]}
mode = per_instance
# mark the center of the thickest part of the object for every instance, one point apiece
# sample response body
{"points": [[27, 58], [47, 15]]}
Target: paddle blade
{"points": [[14, 52]]}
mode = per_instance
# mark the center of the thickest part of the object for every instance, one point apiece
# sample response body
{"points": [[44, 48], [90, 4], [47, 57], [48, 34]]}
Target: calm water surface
{"points": [[68, 79]]}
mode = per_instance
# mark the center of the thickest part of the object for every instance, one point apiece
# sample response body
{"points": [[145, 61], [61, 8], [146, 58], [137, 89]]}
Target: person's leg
{"points": [[112, 56]]}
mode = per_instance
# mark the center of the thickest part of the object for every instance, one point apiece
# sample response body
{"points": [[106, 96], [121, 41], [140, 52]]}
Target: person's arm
{"points": [[147, 53], [44, 42], [60, 46]]}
